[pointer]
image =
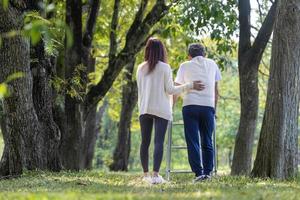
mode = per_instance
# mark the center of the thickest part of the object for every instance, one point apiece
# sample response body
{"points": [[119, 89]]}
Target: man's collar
{"points": [[195, 58]]}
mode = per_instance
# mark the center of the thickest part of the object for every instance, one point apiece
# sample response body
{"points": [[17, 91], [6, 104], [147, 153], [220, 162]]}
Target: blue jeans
{"points": [[199, 119]]}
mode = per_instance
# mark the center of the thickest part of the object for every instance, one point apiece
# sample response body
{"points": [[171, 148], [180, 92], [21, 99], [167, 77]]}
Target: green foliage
{"points": [[194, 21], [74, 86], [54, 32], [102, 185], [217, 18], [51, 31], [4, 89], [4, 3]]}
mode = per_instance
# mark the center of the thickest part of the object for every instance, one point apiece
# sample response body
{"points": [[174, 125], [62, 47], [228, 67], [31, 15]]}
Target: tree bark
{"points": [[249, 59], [278, 143], [21, 119], [129, 100], [49, 136], [4, 166], [90, 137]]}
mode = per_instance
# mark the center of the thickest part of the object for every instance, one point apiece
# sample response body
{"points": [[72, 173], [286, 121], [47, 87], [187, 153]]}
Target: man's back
{"points": [[199, 68]]}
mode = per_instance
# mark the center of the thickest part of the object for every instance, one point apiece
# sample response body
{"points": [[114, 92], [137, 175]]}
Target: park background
{"points": [[116, 138]]}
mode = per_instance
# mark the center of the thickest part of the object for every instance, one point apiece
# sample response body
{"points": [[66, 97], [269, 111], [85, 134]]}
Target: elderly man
{"points": [[199, 109]]}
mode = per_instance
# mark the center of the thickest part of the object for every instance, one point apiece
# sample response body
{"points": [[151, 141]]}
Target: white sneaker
{"points": [[158, 180], [147, 179]]}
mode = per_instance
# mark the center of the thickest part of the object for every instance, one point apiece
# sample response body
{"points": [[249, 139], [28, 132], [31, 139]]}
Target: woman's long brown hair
{"points": [[155, 51]]}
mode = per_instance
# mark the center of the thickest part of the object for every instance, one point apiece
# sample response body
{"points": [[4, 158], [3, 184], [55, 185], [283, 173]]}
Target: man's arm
{"points": [[216, 96]]}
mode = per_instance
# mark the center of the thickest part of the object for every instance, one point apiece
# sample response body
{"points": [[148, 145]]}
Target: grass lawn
{"points": [[106, 186]]}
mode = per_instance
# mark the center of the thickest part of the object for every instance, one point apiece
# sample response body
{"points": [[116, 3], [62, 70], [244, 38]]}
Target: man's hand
{"points": [[198, 85]]}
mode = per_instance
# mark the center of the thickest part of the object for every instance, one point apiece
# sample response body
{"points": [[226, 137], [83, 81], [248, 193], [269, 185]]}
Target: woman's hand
{"points": [[198, 85]]}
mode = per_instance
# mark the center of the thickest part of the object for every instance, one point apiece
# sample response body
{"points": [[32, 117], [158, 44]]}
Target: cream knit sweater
{"points": [[155, 88]]}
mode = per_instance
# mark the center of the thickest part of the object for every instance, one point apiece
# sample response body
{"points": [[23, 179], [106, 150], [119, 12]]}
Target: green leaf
{"points": [[14, 76], [3, 90], [35, 35]]}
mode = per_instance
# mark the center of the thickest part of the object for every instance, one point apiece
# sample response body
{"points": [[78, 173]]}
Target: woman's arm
{"points": [[172, 89]]}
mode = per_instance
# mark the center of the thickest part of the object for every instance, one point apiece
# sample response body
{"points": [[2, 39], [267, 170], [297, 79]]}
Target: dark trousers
{"points": [[160, 128], [199, 119]]}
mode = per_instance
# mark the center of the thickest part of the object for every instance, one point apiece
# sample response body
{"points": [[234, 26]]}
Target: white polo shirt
{"points": [[205, 70]]}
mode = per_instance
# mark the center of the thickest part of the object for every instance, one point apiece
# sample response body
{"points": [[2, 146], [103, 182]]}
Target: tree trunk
{"points": [[91, 134], [79, 133], [21, 119], [278, 143], [129, 100], [4, 167], [249, 59], [71, 145], [49, 136], [91, 122], [242, 159]]}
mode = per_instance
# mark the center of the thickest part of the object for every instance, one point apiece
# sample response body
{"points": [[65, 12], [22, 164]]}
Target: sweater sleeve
{"points": [[169, 84]]}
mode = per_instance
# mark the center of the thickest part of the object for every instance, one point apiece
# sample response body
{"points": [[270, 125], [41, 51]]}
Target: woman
{"points": [[155, 84]]}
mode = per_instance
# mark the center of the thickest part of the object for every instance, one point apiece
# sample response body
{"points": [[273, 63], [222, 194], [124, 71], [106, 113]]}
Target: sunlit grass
{"points": [[107, 185]]}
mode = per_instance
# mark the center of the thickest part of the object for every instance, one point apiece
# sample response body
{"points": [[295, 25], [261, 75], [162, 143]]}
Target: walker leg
{"points": [[168, 154], [215, 150]]}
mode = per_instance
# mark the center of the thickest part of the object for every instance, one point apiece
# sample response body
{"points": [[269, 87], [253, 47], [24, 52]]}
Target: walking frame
{"points": [[171, 147]]}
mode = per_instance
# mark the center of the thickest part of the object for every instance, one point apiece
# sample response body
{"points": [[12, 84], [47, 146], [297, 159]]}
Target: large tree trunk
{"points": [[49, 136], [21, 119], [278, 143], [129, 100], [249, 59]]}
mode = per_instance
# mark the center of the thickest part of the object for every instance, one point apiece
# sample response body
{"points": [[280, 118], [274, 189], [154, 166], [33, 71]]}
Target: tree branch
{"points": [[91, 22], [113, 31], [73, 55], [260, 11], [245, 26], [135, 39], [264, 34], [138, 18]]}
